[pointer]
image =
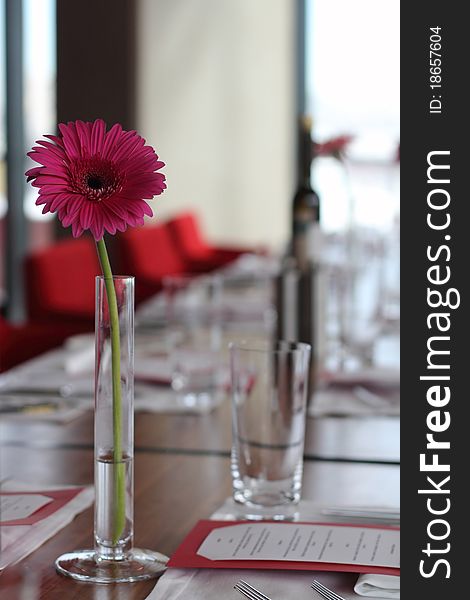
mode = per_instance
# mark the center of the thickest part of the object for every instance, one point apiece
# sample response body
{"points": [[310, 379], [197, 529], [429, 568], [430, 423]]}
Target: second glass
{"points": [[269, 393]]}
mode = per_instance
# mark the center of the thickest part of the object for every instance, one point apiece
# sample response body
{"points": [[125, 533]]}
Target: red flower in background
{"points": [[336, 147], [95, 179]]}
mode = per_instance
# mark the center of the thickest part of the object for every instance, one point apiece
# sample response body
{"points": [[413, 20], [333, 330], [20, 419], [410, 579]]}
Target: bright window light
{"points": [[353, 87]]}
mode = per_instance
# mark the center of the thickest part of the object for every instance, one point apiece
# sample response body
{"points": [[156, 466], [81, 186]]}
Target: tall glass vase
{"points": [[113, 559]]}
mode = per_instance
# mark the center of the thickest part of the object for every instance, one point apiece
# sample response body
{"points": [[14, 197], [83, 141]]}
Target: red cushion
{"points": [[186, 233], [60, 281], [150, 254], [198, 253]]}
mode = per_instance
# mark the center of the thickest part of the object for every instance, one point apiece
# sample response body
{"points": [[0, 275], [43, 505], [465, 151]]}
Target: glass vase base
{"points": [[83, 565]]}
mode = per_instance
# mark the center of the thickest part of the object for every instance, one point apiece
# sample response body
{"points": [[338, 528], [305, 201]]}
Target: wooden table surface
{"points": [[172, 491], [182, 474]]}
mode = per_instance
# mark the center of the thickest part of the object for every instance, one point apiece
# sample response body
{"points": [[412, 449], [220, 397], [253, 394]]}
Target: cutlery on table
{"points": [[324, 591], [249, 591]]}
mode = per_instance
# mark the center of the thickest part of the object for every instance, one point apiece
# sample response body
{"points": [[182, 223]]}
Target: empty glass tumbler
{"points": [[269, 393]]}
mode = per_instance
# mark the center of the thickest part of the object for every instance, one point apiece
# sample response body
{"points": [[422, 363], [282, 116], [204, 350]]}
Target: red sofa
{"points": [[60, 283], [198, 254], [149, 254]]}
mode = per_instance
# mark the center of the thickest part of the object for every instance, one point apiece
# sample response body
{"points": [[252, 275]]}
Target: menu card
{"points": [[27, 508], [30, 516], [286, 545], [16, 508]]}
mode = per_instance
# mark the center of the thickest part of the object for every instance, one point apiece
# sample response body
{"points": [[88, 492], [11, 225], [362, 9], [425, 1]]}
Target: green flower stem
{"points": [[119, 474]]}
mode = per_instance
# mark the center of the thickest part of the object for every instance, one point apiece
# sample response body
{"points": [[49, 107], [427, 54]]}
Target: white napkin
{"points": [[214, 584], [383, 586], [79, 354], [17, 541]]}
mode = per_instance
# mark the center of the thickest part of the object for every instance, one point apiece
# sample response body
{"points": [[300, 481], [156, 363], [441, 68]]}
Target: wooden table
{"points": [[171, 493], [180, 476]]}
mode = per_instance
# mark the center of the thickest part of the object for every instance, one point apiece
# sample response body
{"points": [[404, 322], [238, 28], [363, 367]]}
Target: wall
{"points": [[215, 96]]}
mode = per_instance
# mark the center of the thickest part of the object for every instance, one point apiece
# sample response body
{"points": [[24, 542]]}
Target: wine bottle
{"points": [[306, 203], [301, 292]]}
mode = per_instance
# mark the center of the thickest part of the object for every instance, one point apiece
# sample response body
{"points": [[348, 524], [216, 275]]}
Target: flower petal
{"points": [[86, 214], [77, 230], [98, 132], [84, 135], [70, 139], [111, 139]]}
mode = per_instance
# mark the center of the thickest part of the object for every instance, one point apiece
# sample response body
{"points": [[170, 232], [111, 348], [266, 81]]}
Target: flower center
{"points": [[95, 183], [95, 178]]}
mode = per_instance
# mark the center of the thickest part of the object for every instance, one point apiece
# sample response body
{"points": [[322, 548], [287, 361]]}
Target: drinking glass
{"points": [[194, 339], [269, 391]]}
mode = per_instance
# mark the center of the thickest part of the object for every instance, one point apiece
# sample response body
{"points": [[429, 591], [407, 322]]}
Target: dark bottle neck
{"points": [[304, 155]]}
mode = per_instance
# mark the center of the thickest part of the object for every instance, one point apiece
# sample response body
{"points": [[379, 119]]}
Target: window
{"points": [[39, 115], [352, 88]]}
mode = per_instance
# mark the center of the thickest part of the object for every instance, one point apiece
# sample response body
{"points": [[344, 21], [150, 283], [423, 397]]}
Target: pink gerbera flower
{"points": [[95, 179]]}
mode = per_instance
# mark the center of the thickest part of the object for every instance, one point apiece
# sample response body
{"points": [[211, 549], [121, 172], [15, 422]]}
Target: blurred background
{"points": [[217, 88]]}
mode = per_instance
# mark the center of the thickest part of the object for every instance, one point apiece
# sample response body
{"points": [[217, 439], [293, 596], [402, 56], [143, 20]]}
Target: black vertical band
{"points": [[434, 242]]}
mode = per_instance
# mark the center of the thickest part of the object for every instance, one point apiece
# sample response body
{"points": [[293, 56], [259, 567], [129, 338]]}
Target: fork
{"points": [[249, 591], [324, 591]]}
